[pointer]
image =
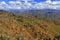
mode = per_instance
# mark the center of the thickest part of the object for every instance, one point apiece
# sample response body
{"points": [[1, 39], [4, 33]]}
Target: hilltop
{"points": [[29, 25]]}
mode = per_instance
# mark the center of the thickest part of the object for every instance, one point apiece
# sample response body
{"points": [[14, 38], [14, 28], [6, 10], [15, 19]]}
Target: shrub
{"points": [[3, 38], [20, 19]]}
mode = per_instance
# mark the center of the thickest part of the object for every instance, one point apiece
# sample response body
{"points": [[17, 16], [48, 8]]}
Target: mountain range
{"points": [[48, 13]]}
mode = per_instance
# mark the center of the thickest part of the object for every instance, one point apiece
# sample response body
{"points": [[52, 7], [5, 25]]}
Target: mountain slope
{"points": [[27, 27]]}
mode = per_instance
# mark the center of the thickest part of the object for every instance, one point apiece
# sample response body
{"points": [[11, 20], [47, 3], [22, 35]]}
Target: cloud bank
{"points": [[28, 5]]}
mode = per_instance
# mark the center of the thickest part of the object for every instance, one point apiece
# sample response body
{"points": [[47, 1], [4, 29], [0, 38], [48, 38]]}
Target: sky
{"points": [[15, 0], [36, 4], [34, 0]]}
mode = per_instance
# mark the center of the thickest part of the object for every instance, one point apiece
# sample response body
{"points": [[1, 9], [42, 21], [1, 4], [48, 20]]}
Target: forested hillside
{"points": [[28, 27]]}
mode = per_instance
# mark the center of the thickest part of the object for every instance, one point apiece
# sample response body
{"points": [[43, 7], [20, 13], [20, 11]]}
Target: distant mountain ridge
{"points": [[49, 13]]}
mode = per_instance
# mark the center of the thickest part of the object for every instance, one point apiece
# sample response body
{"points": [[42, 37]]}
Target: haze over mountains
{"points": [[48, 13]]}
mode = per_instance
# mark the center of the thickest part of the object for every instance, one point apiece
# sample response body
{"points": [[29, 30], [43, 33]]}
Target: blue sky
{"points": [[34, 0], [15, 0], [7, 0], [40, 4]]}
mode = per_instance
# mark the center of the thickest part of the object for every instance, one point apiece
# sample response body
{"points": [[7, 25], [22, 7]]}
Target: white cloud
{"points": [[3, 5], [15, 5], [3, 2], [16, 2], [11, 2], [48, 4], [27, 5], [20, 5]]}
